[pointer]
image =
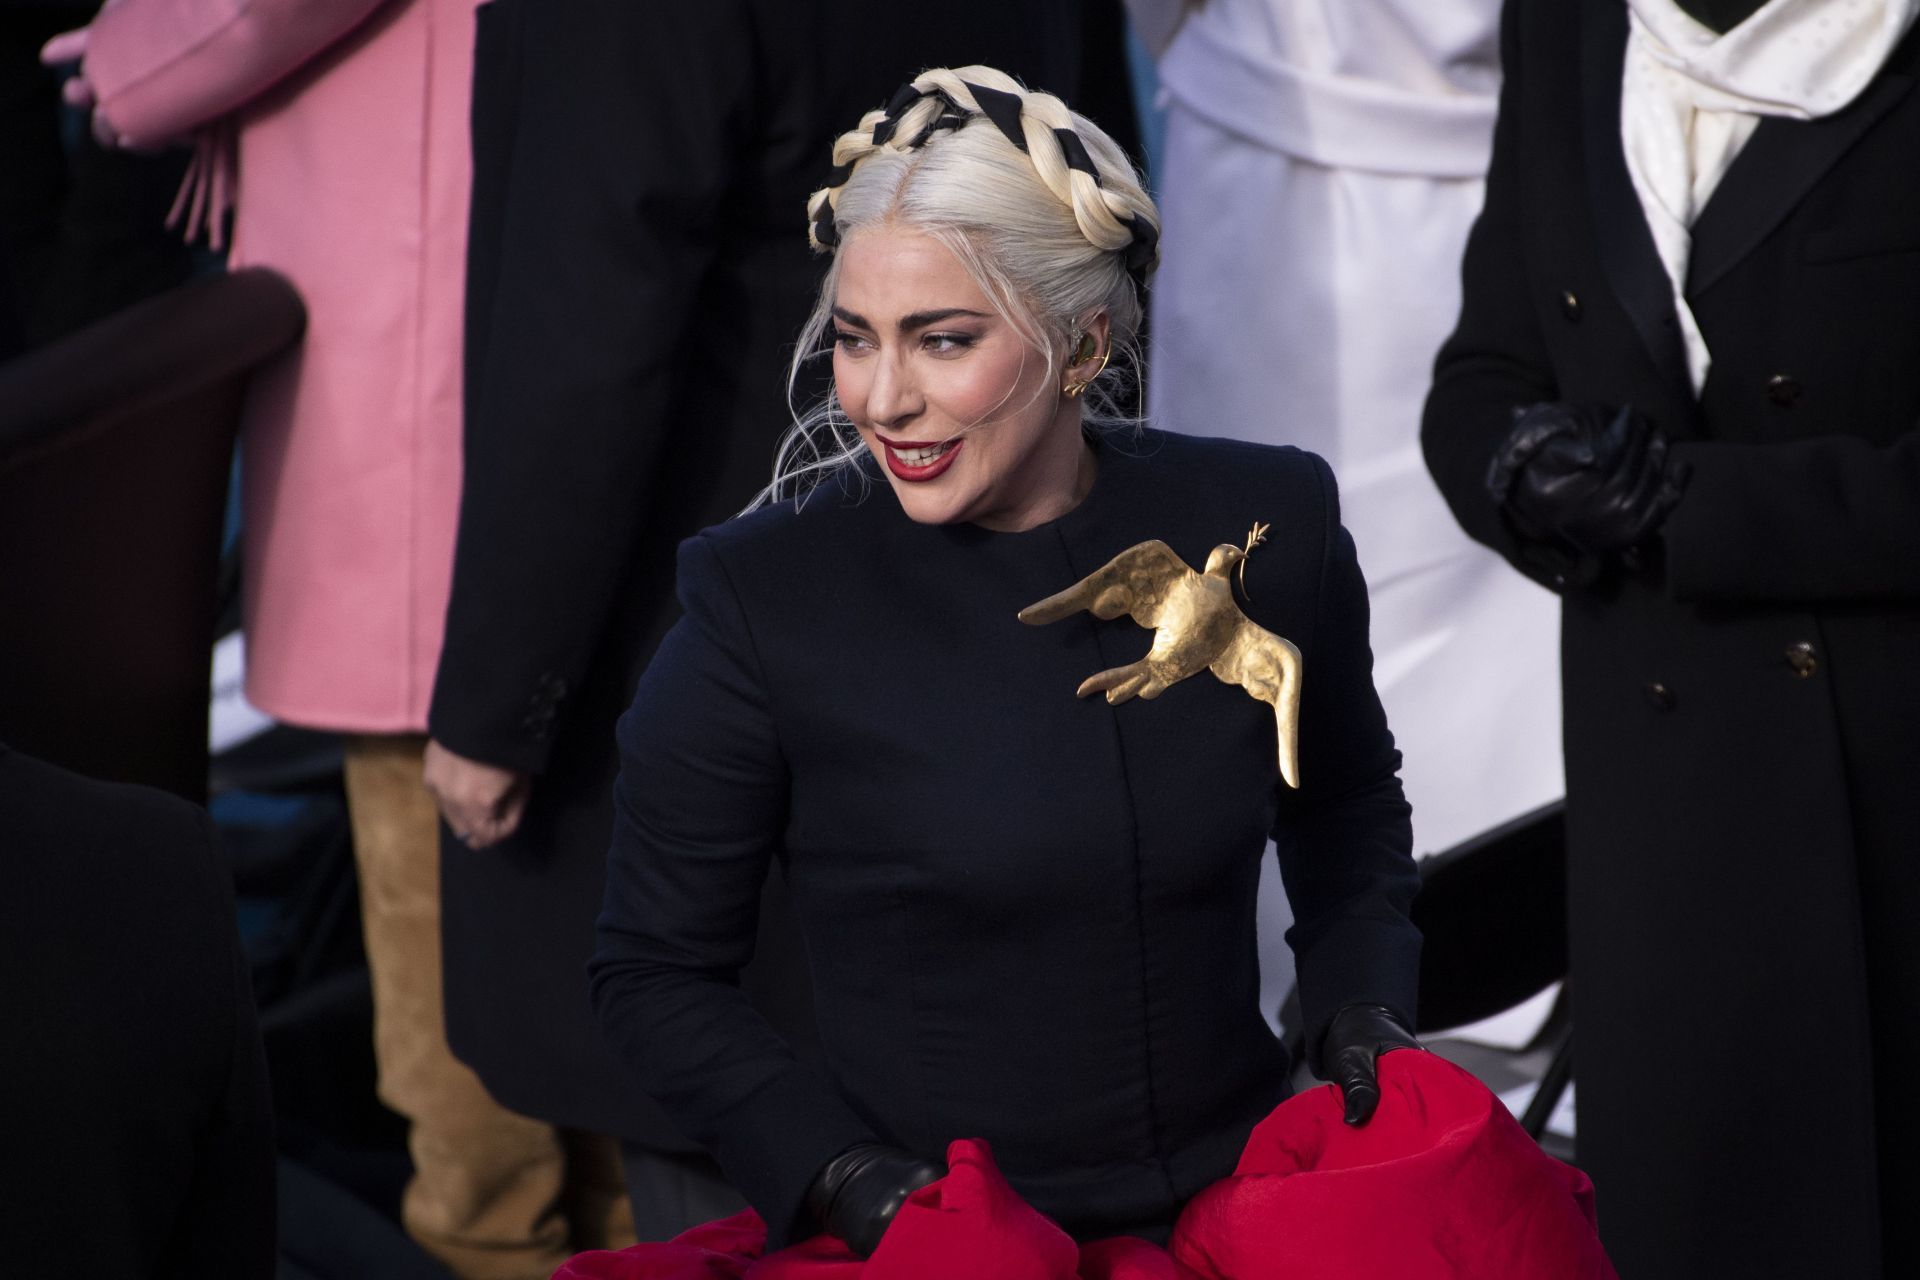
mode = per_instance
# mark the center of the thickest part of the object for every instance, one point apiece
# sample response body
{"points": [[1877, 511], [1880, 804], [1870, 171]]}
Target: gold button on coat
{"points": [[1570, 304], [1803, 659]]}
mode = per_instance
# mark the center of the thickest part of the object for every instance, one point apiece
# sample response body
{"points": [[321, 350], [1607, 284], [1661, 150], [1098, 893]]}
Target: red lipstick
{"points": [[904, 470]]}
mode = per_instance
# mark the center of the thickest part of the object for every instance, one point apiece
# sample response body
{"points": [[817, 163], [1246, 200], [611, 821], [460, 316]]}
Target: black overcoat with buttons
{"points": [[1030, 916], [638, 273], [1743, 711]]}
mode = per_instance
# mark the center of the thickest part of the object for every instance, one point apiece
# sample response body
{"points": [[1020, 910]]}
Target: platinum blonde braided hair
{"points": [[1041, 207]]}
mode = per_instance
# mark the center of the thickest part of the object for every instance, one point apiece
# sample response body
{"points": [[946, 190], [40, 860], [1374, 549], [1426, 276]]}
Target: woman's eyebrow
{"points": [[908, 323], [921, 319]]}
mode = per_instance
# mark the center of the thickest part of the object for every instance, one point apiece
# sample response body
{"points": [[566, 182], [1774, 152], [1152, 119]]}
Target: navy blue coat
{"points": [[1030, 918]]}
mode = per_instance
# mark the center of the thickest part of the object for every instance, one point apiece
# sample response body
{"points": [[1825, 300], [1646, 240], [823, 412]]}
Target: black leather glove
{"points": [[1598, 481], [856, 1194], [1357, 1036]]}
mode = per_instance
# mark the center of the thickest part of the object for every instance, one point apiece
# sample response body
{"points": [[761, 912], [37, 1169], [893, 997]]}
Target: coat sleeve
{"points": [[161, 68], [624, 123], [699, 808], [1830, 519], [1345, 839], [1496, 358]]}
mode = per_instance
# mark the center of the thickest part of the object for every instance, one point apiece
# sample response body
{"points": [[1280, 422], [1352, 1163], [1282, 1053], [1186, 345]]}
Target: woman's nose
{"points": [[894, 398]]}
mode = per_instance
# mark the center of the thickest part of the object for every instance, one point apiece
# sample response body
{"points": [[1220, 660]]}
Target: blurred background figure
{"points": [[1323, 160], [1682, 391], [81, 224], [633, 289], [337, 130], [133, 1093]]}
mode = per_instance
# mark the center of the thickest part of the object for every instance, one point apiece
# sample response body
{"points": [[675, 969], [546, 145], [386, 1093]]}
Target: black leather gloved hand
{"points": [[1597, 480], [856, 1194], [1357, 1036]]}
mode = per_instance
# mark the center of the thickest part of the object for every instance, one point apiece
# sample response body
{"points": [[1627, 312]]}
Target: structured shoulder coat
{"points": [[1742, 711], [1030, 917]]}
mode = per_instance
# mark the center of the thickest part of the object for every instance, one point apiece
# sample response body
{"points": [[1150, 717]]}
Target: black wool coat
{"points": [[638, 274], [1030, 917], [136, 1131], [1743, 712]]}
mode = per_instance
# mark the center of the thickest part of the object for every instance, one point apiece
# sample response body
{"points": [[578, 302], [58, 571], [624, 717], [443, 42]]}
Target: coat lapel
{"points": [[1627, 252], [1776, 168]]}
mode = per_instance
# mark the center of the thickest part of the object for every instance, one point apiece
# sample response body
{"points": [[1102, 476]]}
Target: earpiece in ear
{"points": [[1084, 347]]}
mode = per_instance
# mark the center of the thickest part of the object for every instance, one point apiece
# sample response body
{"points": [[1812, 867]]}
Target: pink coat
{"points": [[352, 180]]}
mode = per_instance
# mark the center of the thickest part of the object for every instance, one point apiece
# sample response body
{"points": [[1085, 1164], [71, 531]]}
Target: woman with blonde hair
{"points": [[1030, 917]]}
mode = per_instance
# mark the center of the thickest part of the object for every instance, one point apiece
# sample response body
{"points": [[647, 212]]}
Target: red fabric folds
{"points": [[1442, 1184], [720, 1250], [967, 1225]]}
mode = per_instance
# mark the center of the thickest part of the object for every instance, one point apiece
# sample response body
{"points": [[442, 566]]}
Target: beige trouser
{"points": [[495, 1195]]}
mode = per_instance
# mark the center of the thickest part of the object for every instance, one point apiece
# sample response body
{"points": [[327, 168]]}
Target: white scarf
{"points": [[1692, 97]]}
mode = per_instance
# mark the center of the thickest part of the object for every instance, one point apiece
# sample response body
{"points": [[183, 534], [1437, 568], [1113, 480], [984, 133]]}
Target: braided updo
{"points": [[1039, 205]]}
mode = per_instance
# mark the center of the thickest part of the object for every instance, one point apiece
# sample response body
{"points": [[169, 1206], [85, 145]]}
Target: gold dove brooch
{"points": [[1196, 626]]}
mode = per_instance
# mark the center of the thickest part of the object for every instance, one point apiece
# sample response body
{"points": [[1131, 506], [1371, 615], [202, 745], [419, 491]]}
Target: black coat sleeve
{"points": [[1496, 359], [1829, 519], [1345, 838], [605, 177], [699, 809]]}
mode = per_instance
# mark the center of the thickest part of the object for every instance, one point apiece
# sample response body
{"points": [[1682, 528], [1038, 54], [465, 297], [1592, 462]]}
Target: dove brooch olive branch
{"points": [[1197, 626]]}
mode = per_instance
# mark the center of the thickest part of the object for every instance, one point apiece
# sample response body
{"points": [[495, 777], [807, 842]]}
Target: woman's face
{"points": [[960, 411]]}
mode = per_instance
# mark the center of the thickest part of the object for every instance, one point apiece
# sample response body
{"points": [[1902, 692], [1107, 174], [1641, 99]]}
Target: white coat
{"points": [[1323, 162]]}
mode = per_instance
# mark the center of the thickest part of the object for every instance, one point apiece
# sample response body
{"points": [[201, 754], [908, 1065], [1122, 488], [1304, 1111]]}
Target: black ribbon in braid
{"points": [[1144, 248], [1001, 108], [824, 231], [1076, 153], [950, 119], [903, 98], [1004, 110]]}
